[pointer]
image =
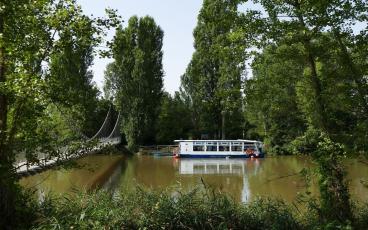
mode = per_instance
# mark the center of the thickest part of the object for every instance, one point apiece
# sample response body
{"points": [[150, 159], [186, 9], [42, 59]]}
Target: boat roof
{"points": [[238, 140]]}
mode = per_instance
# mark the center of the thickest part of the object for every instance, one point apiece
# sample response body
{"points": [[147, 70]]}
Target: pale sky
{"points": [[177, 18]]}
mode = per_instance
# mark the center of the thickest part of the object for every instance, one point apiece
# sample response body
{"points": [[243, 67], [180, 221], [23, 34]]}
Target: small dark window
{"points": [[224, 148], [197, 148], [211, 148], [236, 148]]}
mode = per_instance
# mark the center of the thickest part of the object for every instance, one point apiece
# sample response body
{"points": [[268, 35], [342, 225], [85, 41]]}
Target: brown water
{"points": [[89, 172], [243, 179]]}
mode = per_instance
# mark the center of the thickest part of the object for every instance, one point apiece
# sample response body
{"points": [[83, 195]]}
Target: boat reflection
{"points": [[228, 175], [218, 166]]}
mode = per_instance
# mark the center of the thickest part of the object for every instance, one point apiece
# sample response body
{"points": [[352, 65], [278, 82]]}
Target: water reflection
{"points": [[232, 173], [243, 179], [213, 166], [227, 175]]}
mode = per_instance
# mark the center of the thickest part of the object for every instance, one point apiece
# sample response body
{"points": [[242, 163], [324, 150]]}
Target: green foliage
{"points": [[332, 208], [174, 120], [335, 197], [307, 143], [307, 71], [45, 51], [70, 79], [270, 100], [135, 78], [200, 208], [25, 209], [48, 47], [308, 93], [140, 209], [361, 217], [213, 79]]}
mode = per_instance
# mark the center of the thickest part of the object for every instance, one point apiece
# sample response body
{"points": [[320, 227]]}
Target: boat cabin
{"points": [[219, 148]]}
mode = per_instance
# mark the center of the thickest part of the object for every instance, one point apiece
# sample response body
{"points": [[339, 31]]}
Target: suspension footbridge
{"points": [[108, 135]]}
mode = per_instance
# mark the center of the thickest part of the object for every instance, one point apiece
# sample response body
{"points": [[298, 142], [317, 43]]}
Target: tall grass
{"points": [[196, 209], [147, 209]]}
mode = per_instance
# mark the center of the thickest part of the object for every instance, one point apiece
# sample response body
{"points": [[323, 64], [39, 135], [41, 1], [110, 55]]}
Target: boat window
{"points": [[236, 143], [236, 148], [212, 147], [224, 147], [198, 148]]}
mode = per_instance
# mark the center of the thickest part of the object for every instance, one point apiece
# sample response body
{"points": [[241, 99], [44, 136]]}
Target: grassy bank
{"points": [[196, 209]]}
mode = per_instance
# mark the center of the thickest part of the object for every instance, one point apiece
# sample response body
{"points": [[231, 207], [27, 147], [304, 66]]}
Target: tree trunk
{"points": [[7, 179], [223, 125], [320, 118], [3, 100], [316, 84]]}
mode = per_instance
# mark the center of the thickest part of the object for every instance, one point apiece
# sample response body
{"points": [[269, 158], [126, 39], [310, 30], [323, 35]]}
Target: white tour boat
{"points": [[219, 148]]}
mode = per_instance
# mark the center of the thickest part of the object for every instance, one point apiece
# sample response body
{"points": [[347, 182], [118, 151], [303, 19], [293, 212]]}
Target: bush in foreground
{"points": [[196, 209]]}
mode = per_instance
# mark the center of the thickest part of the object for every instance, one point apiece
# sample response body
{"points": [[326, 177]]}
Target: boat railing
{"points": [[157, 149]]}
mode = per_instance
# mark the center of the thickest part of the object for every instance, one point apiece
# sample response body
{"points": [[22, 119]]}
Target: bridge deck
{"points": [[24, 168]]}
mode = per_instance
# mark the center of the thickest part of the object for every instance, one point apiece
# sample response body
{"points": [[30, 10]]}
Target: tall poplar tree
{"points": [[213, 79], [137, 78]]}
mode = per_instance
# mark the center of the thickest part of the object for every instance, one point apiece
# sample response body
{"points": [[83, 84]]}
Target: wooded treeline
{"points": [[281, 75]]}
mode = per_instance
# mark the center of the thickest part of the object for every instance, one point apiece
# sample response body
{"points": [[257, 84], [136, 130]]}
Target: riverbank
{"points": [[196, 209]]}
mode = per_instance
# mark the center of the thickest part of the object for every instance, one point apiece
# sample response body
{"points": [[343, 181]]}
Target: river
{"points": [[243, 179]]}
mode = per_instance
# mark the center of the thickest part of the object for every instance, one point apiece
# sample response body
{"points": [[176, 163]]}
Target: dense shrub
{"points": [[305, 144]]}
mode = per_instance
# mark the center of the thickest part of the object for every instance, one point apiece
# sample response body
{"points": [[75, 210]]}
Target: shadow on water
{"points": [[108, 178], [112, 181], [92, 172]]}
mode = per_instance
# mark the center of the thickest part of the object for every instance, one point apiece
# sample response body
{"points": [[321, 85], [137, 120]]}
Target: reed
{"points": [[142, 208], [200, 208]]}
